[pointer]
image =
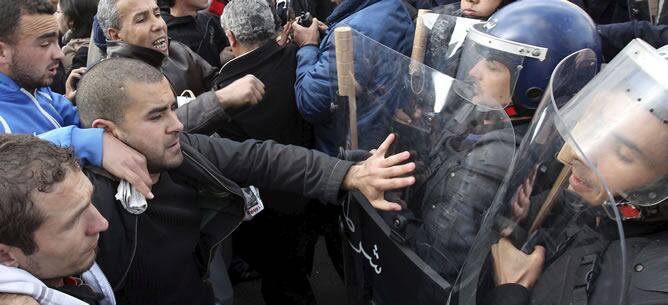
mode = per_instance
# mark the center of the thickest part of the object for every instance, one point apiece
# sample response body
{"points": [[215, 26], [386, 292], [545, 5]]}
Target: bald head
{"points": [[103, 91]]}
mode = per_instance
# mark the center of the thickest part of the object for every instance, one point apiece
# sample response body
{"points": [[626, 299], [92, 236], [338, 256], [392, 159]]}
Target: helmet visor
{"points": [[620, 121], [491, 66]]}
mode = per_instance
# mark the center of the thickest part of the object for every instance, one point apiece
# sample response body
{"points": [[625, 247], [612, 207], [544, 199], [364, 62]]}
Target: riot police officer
{"points": [[583, 218], [505, 65]]}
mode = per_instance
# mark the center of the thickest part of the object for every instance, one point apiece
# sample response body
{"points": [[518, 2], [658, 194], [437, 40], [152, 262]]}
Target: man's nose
{"points": [[58, 53], [476, 71], [175, 124], [98, 223], [158, 24]]}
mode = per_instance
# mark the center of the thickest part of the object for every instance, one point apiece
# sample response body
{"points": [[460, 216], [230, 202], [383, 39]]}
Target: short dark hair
{"points": [[102, 92], [163, 4], [11, 11], [81, 13], [27, 165]]}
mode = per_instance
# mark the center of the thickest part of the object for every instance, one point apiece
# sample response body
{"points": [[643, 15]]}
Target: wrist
{"points": [[223, 102], [307, 43], [350, 180]]}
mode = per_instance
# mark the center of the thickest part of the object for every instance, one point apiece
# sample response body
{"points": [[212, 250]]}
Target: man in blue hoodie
{"points": [[29, 57]]}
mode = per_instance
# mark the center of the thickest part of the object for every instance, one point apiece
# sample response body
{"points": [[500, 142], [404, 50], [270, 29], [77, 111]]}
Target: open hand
{"points": [[378, 174], [514, 266]]}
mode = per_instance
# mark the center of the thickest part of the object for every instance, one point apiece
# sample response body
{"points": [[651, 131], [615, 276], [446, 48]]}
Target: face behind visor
{"points": [[619, 124]]}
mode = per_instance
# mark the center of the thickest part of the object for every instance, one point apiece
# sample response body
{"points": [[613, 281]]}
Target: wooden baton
{"points": [[345, 72]]}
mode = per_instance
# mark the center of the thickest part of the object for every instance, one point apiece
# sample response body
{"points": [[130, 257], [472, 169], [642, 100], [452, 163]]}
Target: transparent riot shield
{"points": [[653, 11], [439, 35], [558, 215], [462, 150]]}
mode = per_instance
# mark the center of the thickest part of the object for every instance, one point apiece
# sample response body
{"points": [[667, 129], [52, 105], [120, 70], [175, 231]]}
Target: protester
{"points": [[281, 228], [50, 229], [393, 27], [29, 57], [191, 169], [135, 29]]}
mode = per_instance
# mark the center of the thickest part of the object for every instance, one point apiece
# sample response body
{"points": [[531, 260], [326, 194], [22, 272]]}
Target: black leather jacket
{"points": [[215, 167], [185, 70]]}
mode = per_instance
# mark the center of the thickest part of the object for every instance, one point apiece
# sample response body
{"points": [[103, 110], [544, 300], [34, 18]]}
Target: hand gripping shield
{"points": [[460, 147]]}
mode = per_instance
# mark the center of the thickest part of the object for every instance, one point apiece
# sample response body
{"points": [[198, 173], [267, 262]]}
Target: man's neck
{"points": [[55, 282], [244, 48], [180, 10], [155, 178]]}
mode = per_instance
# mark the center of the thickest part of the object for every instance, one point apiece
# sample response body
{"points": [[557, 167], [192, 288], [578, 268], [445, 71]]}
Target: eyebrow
{"points": [[634, 147], [48, 35], [157, 110], [142, 13]]}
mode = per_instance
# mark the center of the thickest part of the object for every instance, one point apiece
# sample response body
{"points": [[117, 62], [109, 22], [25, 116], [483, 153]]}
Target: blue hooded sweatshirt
{"points": [[44, 110], [386, 21]]}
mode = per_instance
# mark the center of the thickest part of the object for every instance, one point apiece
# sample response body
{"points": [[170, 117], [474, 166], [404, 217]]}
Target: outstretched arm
{"points": [[303, 171]]}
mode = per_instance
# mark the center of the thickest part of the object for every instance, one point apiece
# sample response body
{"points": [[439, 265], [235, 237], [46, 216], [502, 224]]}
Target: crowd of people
{"points": [[154, 152]]}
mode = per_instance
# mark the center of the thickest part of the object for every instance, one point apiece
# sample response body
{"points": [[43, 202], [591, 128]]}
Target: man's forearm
{"points": [[202, 115]]}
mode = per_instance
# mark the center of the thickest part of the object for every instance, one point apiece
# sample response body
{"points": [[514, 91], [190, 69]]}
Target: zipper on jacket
{"points": [[5, 125], [39, 107], [215, 245], [132, 256]]}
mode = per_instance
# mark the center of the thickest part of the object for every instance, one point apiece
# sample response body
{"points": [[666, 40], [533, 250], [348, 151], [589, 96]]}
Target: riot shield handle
{"points": [[551, 196], [419, 42], [343, 38]]}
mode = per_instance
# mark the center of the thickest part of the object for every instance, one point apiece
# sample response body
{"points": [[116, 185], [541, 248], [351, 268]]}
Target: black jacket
{"points": [[215, 167], [567, 279], [276, 116], [614, 37], [201, 33], [185, 70]]}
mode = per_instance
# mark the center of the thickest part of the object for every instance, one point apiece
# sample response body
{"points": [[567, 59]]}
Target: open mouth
{"points": [[579, 180], [53, 70], [160, 44]]}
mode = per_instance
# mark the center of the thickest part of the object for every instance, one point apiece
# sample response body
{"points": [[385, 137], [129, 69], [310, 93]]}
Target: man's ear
{"points": [[231, 39], [7, 258], [114, 34], [108, 126], [5, 53]]}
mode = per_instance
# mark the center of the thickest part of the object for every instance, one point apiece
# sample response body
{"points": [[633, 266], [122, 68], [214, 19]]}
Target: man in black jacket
{"points": [[135, 29], [198, 202], [282, 228]]}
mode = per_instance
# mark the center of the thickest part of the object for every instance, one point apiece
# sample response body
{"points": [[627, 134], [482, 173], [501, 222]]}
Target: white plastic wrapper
{"points": [[132, 201], [254, 203]]}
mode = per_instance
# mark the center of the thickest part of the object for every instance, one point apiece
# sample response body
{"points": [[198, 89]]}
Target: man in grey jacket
{"points": [[198, 199], [135, 29]]}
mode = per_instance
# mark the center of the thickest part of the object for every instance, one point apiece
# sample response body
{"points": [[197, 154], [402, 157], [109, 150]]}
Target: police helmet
{"points": [[543, 32]]}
